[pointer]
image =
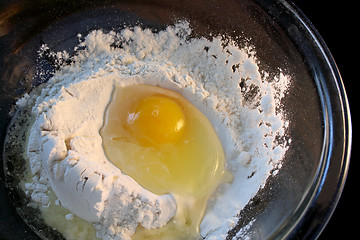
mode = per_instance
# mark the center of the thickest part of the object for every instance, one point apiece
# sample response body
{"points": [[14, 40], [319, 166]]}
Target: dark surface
{"points": [[334, 23]]}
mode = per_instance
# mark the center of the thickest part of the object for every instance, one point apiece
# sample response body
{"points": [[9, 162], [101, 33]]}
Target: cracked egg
{"points": [[167, 145]]}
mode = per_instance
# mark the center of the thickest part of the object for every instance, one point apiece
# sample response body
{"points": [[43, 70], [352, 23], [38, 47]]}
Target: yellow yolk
{"points": [[167, 145], [156, 119]]}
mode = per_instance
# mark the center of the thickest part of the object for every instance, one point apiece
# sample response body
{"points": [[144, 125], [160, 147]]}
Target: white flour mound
{"points": [[65, 149]]}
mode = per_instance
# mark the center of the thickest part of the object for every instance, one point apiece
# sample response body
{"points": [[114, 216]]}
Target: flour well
{"points": [[224, 82]]}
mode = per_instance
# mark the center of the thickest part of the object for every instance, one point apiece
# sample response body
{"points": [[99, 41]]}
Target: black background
{"points": [[338, 24]]}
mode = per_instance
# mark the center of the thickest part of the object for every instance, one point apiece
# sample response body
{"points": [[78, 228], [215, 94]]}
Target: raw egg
{"points": [[167, 145]]}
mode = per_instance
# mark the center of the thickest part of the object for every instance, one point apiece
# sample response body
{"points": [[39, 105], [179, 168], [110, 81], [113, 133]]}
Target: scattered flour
{"points": [[224, 82]]}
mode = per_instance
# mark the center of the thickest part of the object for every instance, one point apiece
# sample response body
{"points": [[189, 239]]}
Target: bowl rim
{"points": [[318, 205]]}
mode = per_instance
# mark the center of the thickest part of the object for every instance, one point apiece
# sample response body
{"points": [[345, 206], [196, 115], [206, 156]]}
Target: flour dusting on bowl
{"points": [[70, 173]]}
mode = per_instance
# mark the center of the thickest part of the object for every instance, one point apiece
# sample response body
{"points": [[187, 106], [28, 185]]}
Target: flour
{"points": [[65, 147], [65, 151]]}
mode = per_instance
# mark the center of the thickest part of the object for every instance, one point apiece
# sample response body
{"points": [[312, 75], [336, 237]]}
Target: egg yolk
{"points": [[156, 119], [167, 145]]}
